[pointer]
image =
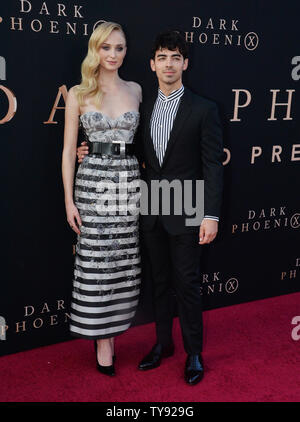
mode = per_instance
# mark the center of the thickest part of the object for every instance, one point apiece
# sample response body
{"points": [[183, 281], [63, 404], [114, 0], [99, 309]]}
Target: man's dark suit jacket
{"points": [[194, 152]]}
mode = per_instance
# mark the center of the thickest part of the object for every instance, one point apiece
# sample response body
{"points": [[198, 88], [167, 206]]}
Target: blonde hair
{"points": [[90, 66]]}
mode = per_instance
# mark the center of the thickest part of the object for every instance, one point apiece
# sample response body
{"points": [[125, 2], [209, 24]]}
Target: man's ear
{"points": [[152, 65], [185, 64]]}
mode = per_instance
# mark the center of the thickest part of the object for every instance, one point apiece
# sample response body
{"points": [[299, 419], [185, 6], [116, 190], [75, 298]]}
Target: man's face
{"points": [[168, 65]]}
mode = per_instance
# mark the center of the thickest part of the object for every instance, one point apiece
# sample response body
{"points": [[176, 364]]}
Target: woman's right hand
{"points": [[82, 151], [73, 217]]}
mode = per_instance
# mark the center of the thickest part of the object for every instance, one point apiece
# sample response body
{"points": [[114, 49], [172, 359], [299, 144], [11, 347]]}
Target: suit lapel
{"points": [[182, 114]]}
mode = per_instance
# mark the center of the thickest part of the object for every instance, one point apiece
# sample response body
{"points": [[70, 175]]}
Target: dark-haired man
{"points": [[180, 139]]}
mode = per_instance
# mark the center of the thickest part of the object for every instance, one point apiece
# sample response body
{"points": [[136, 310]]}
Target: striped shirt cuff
{"points": [[211, 217]]}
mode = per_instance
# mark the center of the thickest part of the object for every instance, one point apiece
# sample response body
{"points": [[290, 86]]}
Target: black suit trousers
{"points": [[175, 267]]}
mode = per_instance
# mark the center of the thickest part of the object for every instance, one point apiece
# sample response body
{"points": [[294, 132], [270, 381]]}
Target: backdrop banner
{"points": [[245, 56]]}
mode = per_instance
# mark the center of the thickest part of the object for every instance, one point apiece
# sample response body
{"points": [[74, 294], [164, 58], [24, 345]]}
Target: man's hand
{"points": [[82, 151], [208, 231]]}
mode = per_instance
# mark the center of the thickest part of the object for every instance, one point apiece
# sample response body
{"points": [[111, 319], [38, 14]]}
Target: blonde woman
{"points": [[107, 263]]}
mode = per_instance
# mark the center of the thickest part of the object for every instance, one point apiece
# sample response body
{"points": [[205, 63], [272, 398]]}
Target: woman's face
{"points": [[112, 51]]}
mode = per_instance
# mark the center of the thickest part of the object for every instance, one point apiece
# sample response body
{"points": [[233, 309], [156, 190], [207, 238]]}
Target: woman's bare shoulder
{"points": [[72, 101], [136, 87], [73, 89]]}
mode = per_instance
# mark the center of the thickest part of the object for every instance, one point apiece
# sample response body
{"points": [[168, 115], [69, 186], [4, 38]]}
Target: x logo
{"points": [[231, 285], [251, 41], [294, 221]]}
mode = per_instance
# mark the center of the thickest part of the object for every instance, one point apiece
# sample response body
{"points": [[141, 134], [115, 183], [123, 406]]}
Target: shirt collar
{"points": [[174, 95]]}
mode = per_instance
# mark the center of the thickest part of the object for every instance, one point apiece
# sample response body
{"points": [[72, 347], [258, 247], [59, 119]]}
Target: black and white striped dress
{"points": [[107, 270]]}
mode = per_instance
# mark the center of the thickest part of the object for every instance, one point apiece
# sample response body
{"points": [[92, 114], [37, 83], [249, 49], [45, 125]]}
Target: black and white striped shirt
{"points": [[162, 119]]}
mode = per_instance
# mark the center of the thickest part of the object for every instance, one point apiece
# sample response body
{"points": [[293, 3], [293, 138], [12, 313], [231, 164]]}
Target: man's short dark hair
{"points": [[171, 40]]}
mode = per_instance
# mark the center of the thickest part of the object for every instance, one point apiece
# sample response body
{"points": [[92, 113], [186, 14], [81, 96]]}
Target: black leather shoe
{"points": [[194, 370], [106, 370], [153, 359]]}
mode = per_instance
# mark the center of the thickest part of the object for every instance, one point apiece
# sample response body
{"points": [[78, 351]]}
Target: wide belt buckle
{"points": [[122, 149], [115, 148]]}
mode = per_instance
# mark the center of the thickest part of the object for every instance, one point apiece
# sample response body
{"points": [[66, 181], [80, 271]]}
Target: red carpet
{"points": [[249, 356]]}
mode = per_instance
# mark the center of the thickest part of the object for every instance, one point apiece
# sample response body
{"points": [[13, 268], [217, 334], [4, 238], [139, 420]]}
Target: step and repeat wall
{"points": [[243, 55]]}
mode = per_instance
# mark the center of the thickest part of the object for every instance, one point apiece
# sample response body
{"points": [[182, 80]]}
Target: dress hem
{"points": [[102, 337]]}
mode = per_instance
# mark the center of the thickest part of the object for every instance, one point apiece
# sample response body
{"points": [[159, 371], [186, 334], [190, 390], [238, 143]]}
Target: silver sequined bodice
{"points": [[101, 128]]}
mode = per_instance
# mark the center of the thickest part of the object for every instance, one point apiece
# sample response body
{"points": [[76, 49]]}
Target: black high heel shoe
{"points": [[106, 370]]}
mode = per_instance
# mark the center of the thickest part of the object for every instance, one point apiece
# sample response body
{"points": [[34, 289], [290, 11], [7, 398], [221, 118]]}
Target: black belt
{"points": [[109, 148]]}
